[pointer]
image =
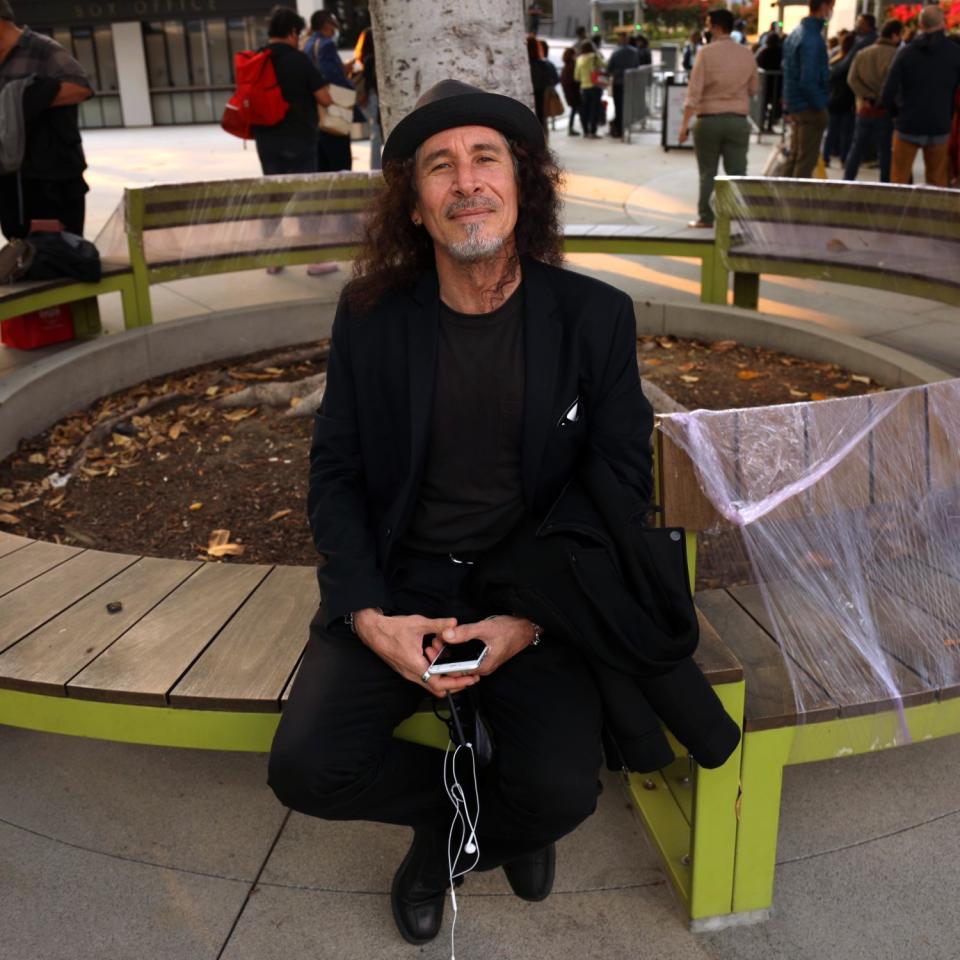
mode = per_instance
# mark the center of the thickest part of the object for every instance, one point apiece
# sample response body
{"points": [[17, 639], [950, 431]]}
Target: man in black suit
{"points": [[468, 375]]}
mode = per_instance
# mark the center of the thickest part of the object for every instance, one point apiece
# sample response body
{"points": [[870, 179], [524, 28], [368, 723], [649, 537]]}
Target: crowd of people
{"points": [[583, 78], [867, 94]]}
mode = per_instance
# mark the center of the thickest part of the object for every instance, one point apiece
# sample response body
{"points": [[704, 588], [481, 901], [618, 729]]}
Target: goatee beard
{"points": [[476, 247]]}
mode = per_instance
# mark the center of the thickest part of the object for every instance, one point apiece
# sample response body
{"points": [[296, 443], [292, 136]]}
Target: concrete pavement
{"points": [[109, 851]]}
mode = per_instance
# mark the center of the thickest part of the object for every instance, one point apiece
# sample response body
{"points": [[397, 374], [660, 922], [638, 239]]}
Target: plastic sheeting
{"points": [[849, 512], [909, 231], [191, 222]]}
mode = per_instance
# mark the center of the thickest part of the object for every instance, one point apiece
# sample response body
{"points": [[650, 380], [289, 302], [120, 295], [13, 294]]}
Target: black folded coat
{"points": [[594, 575]]}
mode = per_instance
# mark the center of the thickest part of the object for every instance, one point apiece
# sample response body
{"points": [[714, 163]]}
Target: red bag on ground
{"points": [[258, 100]]}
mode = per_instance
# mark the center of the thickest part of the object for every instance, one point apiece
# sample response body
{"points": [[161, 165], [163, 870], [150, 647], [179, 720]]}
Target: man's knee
{"points": [[555, 800], [310, 778]]}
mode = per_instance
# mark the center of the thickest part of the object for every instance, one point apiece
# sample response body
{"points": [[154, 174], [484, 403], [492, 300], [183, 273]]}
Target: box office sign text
{"points": [[56, 12]]}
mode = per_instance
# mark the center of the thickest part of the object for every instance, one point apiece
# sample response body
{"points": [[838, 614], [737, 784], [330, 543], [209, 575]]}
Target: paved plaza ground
{"points": [[110, 851]]}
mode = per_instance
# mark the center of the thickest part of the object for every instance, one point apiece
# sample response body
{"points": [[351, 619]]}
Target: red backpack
{"points": [[258, 100]]}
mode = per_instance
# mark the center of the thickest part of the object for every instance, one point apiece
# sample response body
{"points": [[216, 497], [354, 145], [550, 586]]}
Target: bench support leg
{"points": [[714, 278], [765, 753], [713, 833], [746, 290], [86, 319]]}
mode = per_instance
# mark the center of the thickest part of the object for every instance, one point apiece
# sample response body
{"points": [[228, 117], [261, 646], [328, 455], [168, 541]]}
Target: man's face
{"points": [[862, 26], [467, 196]]}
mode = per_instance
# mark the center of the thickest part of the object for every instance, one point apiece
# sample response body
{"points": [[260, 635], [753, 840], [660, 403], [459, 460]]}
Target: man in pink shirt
{"points": [[723, 79]]}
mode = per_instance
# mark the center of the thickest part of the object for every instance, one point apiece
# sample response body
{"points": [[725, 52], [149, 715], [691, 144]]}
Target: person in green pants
{"points": [[723, 79]]}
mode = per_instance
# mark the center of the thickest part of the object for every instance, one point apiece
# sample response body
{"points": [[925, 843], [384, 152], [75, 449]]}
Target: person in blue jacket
{"points": [[333, 151], [806, 85]]}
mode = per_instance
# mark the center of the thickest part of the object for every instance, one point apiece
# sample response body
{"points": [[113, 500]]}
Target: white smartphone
{"points": [[459, 657]]}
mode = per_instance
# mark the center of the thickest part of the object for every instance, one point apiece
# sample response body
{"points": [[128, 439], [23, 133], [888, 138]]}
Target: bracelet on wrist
{"points": [[348, 619]]}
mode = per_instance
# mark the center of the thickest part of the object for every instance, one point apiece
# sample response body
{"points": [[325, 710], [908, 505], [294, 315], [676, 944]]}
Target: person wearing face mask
{"points": [[333, 152], [806, 86]]}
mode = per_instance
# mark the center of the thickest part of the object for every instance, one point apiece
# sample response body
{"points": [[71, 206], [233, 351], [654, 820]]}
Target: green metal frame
{"points": [[691, 815], [713, 274], [170, 726], [82, 296]]}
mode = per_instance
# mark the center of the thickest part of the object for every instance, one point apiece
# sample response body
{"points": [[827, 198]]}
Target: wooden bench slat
{"points": [[942, 398], [770, 699], [49, 657], [46, 596], [871, 695], [907, 597], [712, 656], [21, 566], [248, 665], [145, 663], [10, 543]]}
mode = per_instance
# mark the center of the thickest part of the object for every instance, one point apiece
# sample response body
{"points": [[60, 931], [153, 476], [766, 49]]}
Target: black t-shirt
{"points": [[299, 79], [470, 496]]}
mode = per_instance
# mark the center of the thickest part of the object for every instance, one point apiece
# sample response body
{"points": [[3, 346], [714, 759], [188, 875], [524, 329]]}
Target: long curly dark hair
{"points": [[395, 252]]}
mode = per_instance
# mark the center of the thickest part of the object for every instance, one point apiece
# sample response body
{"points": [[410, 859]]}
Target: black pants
{"points": [[285, 156], [333, 153], [63, 200], [334, 756], [618, 110]]}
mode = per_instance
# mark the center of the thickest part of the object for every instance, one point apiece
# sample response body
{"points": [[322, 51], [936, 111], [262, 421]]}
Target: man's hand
{"points": [[398, 641], [682, 135], [505, 636]]}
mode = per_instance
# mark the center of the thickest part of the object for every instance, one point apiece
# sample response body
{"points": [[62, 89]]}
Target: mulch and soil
{"points": [[167, 469]]}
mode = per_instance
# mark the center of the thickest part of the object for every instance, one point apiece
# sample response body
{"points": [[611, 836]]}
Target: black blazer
{"points": [[582, 392]]}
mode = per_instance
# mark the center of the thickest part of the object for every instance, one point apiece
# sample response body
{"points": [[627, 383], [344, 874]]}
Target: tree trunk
{"points": [[421, 42]]}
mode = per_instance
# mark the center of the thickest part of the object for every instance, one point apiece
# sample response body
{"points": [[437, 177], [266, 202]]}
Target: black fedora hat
{"points": [[451, 103]]}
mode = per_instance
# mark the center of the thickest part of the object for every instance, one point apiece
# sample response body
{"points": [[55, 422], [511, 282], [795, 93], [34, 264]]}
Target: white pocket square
{"points": [[572, 414]]}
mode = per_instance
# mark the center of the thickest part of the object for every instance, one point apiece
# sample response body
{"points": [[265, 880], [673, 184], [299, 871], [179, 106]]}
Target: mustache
{"points": [[470, 203]]}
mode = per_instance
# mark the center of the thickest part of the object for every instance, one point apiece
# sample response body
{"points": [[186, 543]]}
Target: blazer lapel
{"points": [[543, 333]]}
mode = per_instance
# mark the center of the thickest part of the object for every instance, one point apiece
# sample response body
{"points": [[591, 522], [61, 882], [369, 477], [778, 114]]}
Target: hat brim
{"points": [[509, 116]]}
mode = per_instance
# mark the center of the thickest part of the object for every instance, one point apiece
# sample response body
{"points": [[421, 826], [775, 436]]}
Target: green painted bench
{"points": [[177, 231], [20, 298], [889, 237], [814, 710]]}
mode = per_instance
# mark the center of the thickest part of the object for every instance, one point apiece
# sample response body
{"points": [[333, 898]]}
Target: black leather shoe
{"points": [[418, 891], [531, 877]]}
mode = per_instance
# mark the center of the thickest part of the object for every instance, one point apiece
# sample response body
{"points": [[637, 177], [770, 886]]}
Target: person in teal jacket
{"points": [[806, 85]]}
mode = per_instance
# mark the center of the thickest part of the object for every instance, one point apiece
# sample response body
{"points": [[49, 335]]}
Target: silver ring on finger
{"points": [[426, 676]]}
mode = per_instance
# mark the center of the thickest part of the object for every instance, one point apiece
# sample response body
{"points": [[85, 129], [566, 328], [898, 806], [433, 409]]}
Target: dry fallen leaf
{"points": [[36, 458], [196, 506], [241, 413], [722, 346], [220, 546], [819, 396], [686, 367], [686, 378], [860, 378], [175, 431], [279, 514], [212, 391], [841, 385], [295, 401], [748, 374], [799, 394], [226, 438], [838, 246], [8, 518], [652, 362]]}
